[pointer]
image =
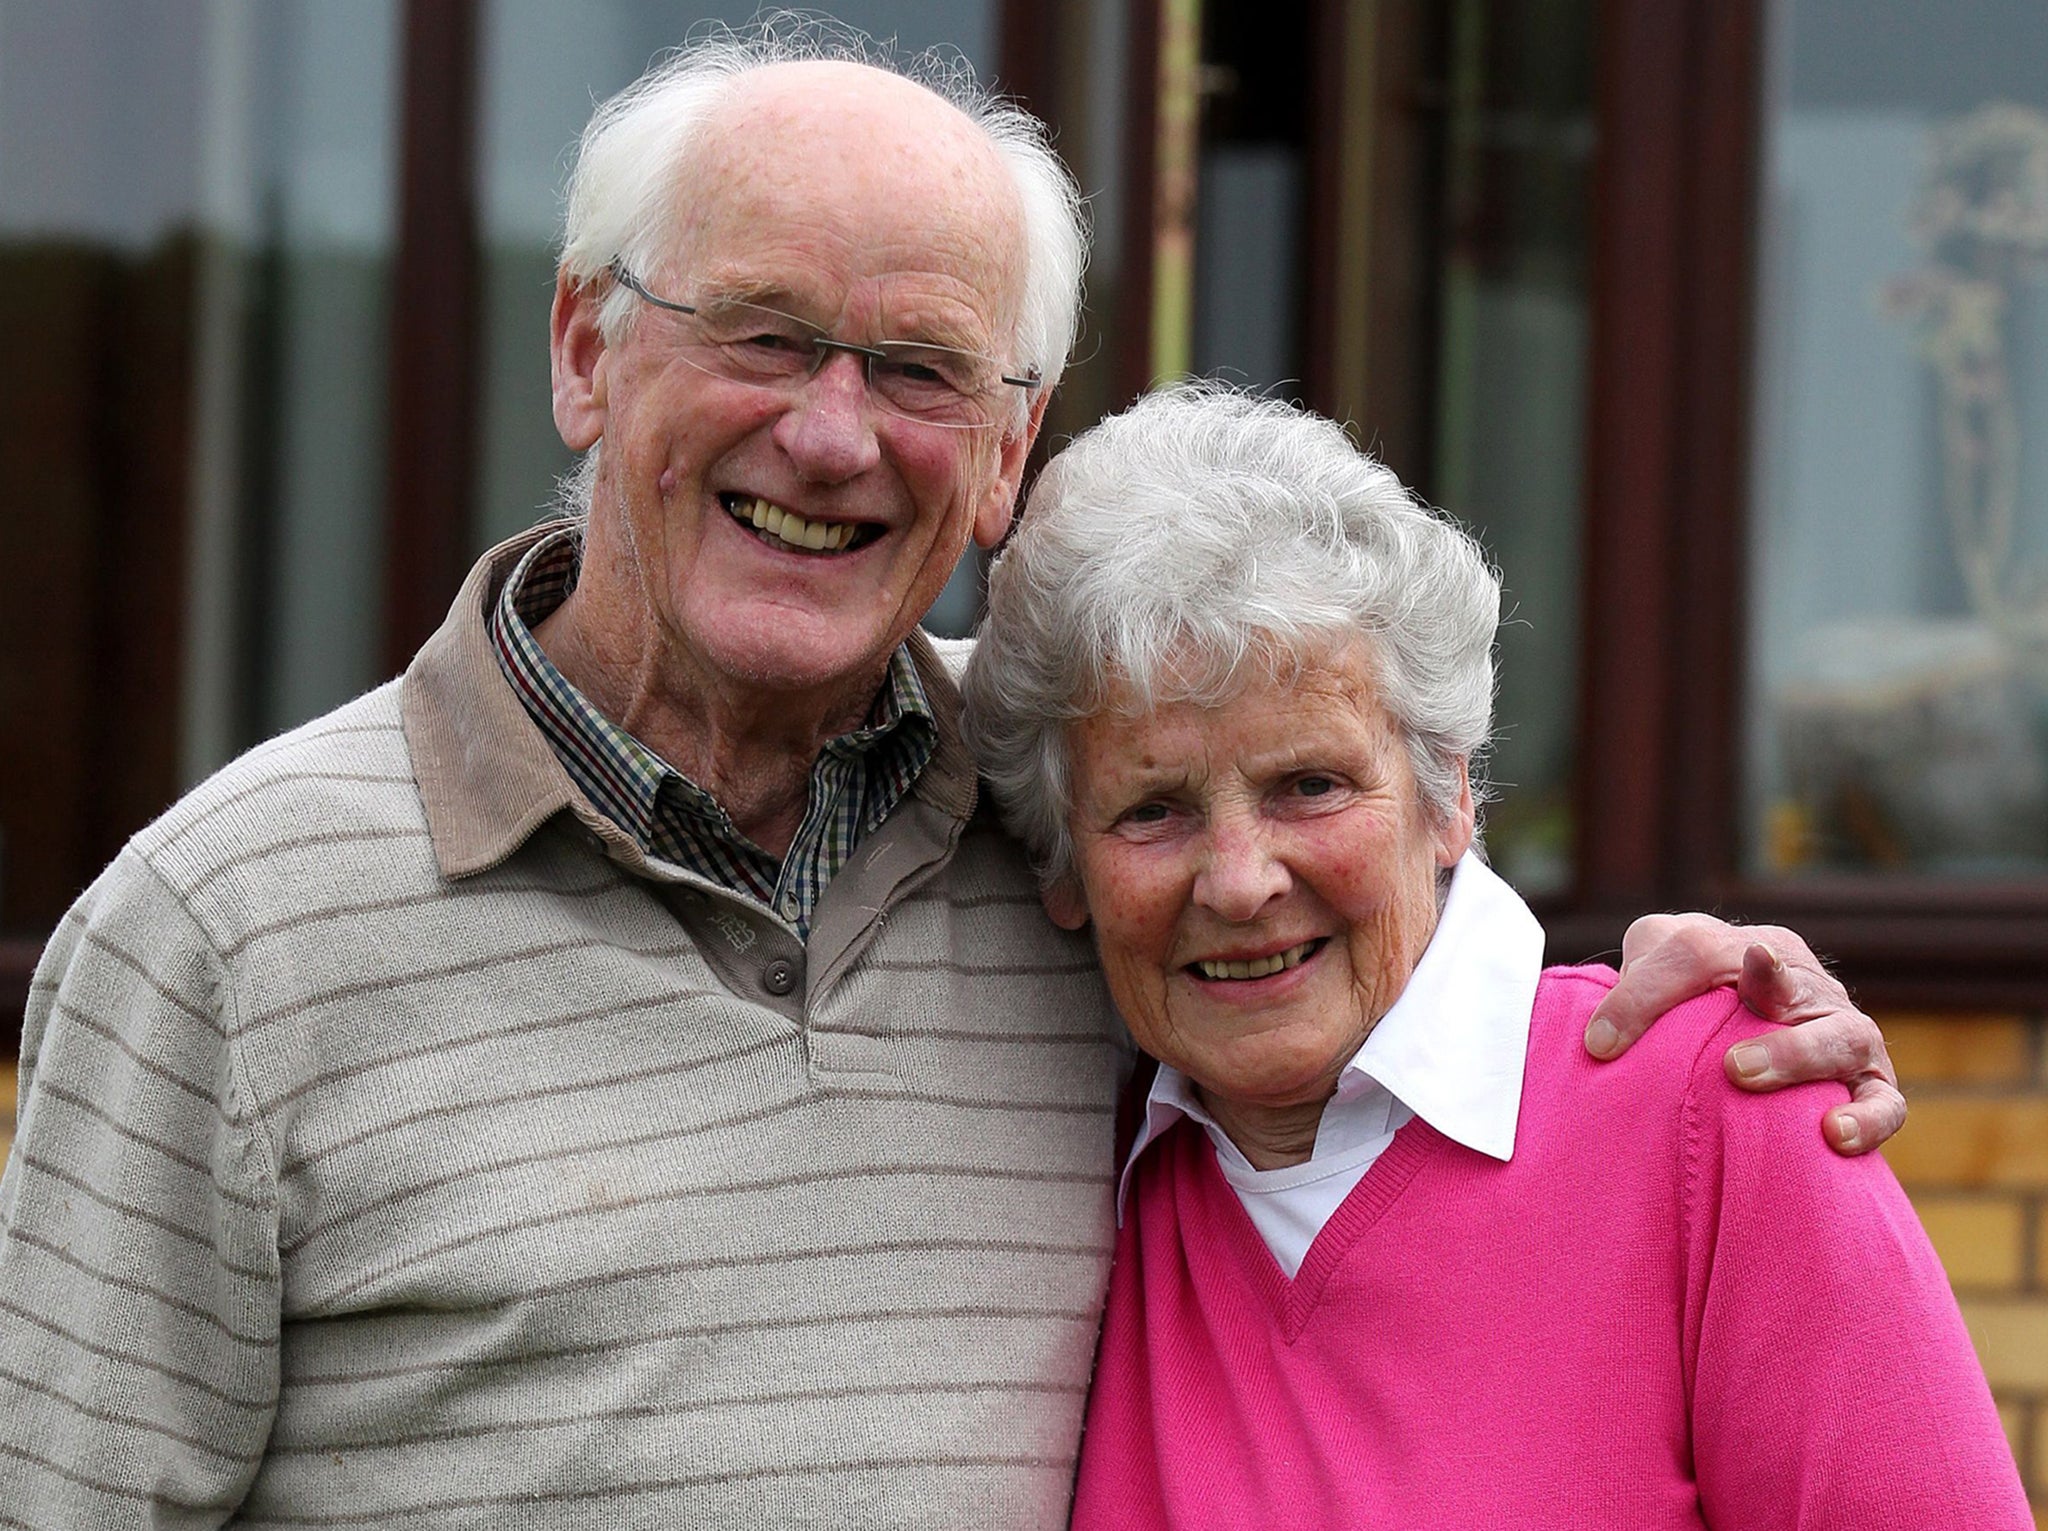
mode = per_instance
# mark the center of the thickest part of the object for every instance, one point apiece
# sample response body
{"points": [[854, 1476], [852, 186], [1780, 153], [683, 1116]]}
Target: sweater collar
{"points": [[487, 775], [1451, 1048]]}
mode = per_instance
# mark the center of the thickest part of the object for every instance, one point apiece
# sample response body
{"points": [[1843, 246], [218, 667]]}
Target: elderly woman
{"points": [[1393, 1250]]}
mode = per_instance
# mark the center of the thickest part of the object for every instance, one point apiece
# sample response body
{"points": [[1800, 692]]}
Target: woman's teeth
{"points": [[790, 529], [1257, 967]]}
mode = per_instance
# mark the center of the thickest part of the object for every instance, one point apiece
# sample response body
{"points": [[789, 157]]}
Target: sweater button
{"points": [[779, 976]]}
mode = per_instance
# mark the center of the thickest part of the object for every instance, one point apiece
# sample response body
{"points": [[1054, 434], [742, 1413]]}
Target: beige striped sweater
{"points": [[398, 1147]]}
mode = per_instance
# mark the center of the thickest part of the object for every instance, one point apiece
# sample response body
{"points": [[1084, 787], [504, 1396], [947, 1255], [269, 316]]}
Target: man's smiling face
{"points": [[865, 206]]}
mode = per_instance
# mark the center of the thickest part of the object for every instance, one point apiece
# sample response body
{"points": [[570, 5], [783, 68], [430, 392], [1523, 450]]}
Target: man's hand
{"points": [[1667, 959]]}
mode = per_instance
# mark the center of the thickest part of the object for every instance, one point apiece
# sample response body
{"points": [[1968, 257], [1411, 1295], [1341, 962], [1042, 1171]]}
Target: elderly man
{"points": [[619, 1074]]}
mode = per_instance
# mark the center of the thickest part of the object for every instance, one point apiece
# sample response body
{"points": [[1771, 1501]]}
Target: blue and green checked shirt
{"points": [[855, 781]]}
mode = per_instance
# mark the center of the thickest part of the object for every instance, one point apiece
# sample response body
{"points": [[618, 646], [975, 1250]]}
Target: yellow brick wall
{"points": [[1974, 1158]]}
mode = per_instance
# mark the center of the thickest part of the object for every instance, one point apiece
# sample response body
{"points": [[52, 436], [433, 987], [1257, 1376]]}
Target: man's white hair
{"points": [[622, 198]]}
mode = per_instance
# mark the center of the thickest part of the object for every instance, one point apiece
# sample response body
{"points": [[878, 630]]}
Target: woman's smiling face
{"points": [[1261, 876]]}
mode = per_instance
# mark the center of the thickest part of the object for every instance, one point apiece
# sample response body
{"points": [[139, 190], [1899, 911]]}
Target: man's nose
{"points": [[828, 429], [1240, 872]]}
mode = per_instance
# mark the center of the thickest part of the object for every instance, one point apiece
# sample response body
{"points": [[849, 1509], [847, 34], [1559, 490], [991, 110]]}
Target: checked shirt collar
{"points": [[855, 781]]}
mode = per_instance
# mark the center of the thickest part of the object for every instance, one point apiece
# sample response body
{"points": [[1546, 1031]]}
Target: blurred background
{"points": [[1723, 322]]}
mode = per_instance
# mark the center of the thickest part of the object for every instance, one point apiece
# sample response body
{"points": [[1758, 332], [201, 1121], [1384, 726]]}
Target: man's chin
{"points": [[779, 652]]}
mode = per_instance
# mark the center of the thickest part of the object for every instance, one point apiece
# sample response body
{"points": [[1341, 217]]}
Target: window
{"points": [[1896, 712], [196, 235]]}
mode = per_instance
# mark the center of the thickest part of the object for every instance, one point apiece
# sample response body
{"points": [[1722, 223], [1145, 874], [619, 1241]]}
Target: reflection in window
{"points": [[195, 231], [1510, 418], [298, 173], [1898, 712]]}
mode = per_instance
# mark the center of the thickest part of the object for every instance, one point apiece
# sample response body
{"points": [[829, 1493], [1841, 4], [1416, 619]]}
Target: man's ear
{"points": [[579, 361], [1454, 836], [992, 519], [1065, 905]]}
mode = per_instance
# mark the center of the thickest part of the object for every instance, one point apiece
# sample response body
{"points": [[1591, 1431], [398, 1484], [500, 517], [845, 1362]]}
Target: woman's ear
{"points": [[1454, 836], [1065, 905]]}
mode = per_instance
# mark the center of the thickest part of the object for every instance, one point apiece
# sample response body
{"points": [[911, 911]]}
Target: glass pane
{"points": [[1252, 171], [1089, 108], [1898, 685], [1510, 420], [300, 177], [195, 226], [545, 67]]}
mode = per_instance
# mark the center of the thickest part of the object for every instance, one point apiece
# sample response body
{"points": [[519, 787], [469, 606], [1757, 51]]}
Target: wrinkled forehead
{"points": [[839, 175]]}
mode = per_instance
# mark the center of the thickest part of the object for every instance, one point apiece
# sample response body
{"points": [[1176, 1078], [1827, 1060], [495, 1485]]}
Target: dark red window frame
{"points": [[1667, 437]]}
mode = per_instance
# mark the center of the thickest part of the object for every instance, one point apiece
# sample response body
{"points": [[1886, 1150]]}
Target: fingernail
{"points": [[1849, 1132], [1602, 1038], [1752, 1060]]}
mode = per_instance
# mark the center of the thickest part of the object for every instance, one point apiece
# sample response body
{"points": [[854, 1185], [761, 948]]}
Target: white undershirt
{"points": [[1450, 1051]]}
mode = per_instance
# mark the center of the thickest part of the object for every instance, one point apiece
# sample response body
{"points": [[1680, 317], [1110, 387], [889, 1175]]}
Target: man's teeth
{"points": [[1256, 967], [818, 536]]}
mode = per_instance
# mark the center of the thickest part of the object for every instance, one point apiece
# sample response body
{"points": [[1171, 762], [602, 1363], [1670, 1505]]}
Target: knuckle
{"points": [[1700, 941], [1880, 1105], [1820, 1050], [1862, 1039], [1840, 1054], [1646, 932], [1793, 950]]}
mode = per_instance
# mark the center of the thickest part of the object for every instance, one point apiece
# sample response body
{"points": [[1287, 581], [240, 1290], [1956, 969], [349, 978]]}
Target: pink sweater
{"points": [[1674, 1307]]}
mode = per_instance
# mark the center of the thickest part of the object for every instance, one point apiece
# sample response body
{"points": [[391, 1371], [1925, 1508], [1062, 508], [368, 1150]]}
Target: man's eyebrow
{"points": [[953, 331], [944, 337], [766, 292], [759, 292]]}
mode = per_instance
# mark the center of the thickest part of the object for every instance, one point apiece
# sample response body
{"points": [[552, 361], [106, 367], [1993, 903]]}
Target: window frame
{"points": [[1664, 664]]}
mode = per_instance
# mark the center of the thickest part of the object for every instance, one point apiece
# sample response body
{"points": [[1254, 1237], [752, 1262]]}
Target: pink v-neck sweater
{"points": [[1674, 1307]]}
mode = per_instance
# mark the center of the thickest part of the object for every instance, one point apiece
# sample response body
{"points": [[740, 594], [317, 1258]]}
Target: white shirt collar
{"points": [[1451, 1048]]}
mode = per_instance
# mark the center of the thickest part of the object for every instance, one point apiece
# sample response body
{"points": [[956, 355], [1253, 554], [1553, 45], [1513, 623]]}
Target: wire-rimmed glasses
{"points": [[765, 348]]}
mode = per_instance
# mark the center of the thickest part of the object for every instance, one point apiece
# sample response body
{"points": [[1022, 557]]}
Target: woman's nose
{"points": [[1240, 873]]}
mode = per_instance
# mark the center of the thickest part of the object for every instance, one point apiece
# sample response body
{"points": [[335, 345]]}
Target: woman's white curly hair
{"points": [[1205, 540]]}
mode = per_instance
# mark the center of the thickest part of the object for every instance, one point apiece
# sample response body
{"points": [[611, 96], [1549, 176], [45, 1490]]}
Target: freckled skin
{"points": [[867, 205], [1285, 815]]}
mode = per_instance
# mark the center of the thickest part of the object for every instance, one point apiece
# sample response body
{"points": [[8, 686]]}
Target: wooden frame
{"points": [[1133, 343], [1372, 292], [435, 336]]}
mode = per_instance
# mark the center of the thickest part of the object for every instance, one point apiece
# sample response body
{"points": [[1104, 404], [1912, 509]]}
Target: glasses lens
{"points": [[934, 385], [751, 344], [932, 382]]}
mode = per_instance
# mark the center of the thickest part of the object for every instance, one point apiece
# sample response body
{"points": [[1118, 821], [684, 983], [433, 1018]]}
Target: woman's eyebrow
{"points": [[1158, 780], [1148, 783]]}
